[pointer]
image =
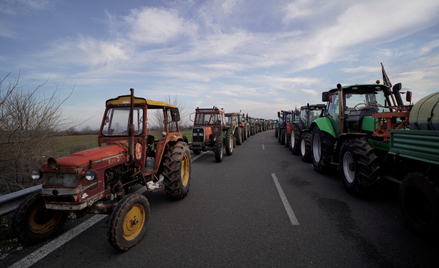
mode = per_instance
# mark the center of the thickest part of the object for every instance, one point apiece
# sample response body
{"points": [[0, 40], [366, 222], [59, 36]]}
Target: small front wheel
{"points": [[33, 223], [128, 222]]}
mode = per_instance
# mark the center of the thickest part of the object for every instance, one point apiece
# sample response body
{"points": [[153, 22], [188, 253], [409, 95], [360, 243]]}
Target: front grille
{"points": [[198, 135], [60, 179], [60, 199]]}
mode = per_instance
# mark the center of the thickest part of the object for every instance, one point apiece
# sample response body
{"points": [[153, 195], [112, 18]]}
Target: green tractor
{"points": [[372, 141], [300, 138], [233, 122]]}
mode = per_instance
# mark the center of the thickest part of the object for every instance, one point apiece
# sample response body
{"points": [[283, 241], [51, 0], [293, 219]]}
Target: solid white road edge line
{"points": [[284, 199], [42, 252]]}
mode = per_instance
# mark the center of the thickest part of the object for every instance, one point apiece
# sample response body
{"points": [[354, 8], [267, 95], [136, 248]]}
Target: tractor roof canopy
{"points": [[125, 100], [362, 88]]}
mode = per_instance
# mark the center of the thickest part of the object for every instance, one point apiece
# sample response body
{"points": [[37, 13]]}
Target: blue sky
{"points": [[255, 56]]}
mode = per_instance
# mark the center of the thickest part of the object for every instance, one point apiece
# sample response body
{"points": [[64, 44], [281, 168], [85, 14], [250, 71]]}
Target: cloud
{"points": [[87, 51], [157, 26]]}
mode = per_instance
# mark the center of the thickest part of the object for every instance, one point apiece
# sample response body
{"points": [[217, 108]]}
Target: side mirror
{"points": [[408, 96], [175, 114], [190, 117], [325, 96], [278, 114]]}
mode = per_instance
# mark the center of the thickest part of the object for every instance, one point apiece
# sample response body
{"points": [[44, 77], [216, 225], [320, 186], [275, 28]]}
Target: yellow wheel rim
{"points": [[185, 170], [42, 221], [133, 222]]}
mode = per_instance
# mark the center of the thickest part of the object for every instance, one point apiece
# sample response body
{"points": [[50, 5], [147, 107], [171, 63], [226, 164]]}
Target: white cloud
{"points": [[87, 51], [156, 26]]}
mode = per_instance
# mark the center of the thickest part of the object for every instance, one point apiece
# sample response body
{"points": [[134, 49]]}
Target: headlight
{"points": [[36, 175], [90, 175]]}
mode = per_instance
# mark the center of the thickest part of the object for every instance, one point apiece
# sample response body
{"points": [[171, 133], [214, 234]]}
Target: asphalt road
{"points": [[236, 216]]}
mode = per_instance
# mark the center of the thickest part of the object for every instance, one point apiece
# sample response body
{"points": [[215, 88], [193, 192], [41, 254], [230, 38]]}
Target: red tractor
{"points": [[210, 133], [91, 181]]}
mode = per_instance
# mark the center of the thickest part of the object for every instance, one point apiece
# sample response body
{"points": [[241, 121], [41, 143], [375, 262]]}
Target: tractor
{"points": [[245, 125], [210, 133], [300, 138], [99, 180], [233, 121], [285, 120]]}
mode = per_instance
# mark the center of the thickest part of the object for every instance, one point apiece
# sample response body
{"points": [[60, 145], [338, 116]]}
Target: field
{"points": [[66, 145]]}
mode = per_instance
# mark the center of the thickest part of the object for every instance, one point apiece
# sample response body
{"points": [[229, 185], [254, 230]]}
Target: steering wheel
{"points": [[361, 103]]}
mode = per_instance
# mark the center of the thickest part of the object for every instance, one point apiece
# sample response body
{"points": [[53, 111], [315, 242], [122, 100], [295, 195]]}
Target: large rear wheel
{"points": [[177, 170], [295, 139], [305, 147], [229, 142], [128, 222], [322, 148], [419, 201], [218, 149], [358, 165], [238, 136], [282, 136]]}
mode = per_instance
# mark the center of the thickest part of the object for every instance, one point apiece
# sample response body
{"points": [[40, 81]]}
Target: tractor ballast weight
{"points": [[91, 181]]}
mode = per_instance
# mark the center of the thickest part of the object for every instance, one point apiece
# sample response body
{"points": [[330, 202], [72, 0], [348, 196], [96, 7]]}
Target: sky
{"points": [[254, 56]]}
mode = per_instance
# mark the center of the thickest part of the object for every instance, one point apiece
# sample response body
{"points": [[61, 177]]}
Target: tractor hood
{"points": [[99, 155]]}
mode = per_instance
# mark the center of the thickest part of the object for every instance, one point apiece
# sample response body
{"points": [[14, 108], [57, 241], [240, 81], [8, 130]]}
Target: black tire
{"points": [[419, 201], [229, 142], [177, 170], [358, 166], [295, 140], [287, 139], [305, 147], [127, 223], [218, 149], [196, 152], [244, 134], [282, 136], [322, 148], [238, 136], [275, 133], [32, 223]]}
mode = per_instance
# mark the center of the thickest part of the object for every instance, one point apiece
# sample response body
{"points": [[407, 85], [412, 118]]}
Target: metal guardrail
{"points": [[10, 202]]}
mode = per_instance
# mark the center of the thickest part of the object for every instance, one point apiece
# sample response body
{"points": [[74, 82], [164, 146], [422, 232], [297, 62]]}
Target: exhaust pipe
{"points": [[396, 89], [131, 129]]}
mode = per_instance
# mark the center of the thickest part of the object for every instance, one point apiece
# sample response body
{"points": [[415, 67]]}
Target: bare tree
{"points": [[28, 122], [158, 114]]}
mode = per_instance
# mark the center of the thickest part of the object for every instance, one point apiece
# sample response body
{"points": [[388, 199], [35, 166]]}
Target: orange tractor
{"points": [[210, 133]]}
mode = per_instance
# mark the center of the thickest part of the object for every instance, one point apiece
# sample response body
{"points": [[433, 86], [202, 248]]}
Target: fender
{"points": [[325, 125]]}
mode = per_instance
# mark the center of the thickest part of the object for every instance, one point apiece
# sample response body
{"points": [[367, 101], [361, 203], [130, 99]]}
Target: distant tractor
{"points": [[300, 138], [245, 125], [210, 133], [285, 120], [233, 122], [91, 181]]}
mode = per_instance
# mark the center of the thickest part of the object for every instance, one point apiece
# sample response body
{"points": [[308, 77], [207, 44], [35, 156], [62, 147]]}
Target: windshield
{"points": [[231, 120], [204, 119], [361, 101], [117, 120]]}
